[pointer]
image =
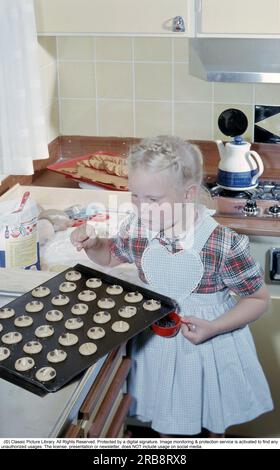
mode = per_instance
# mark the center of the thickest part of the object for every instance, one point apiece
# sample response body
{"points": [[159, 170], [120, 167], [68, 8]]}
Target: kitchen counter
{"points": [[73, 146]]}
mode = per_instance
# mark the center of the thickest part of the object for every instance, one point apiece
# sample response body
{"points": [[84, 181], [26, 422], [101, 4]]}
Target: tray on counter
{"points": [[75, 363]]}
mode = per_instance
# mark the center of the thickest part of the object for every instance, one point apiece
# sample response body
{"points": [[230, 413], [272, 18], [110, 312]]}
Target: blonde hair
{"points": [[181, 158]]}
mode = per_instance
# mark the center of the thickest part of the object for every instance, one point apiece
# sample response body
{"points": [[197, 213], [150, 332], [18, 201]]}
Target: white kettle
{"points": [[239, 167]]}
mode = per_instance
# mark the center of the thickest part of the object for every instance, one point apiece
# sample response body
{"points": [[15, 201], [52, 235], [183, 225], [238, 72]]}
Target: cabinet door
{"points": [[110, 16], [255, 17]]}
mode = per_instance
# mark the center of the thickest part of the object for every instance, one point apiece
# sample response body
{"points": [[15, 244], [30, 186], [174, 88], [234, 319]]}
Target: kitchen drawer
{"points": [[105, 407]]}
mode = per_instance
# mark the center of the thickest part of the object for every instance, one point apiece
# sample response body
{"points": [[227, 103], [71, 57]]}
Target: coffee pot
{"points": [[239, 167]]}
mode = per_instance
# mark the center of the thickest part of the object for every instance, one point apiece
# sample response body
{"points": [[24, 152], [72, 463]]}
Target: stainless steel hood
{"points": [[235, 60]]}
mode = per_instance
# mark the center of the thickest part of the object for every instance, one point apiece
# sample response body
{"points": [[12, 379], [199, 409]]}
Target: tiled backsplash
{"points": [[121, 86]]}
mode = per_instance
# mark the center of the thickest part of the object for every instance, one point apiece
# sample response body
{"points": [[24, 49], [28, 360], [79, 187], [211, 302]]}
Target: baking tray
{"points": [[59, 168], [75, 363]]}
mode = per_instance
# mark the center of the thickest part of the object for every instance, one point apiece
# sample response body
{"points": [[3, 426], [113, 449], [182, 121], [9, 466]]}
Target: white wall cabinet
{"points": [[238, 17], [113, 17]]}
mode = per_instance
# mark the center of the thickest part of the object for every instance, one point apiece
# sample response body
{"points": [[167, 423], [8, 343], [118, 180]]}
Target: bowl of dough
{"points": [[167, 326]]}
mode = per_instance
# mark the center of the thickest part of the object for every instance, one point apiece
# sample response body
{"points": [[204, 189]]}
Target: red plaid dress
{"points": [[226, 257]]}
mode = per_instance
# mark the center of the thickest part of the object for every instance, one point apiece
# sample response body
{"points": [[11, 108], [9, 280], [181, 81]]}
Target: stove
{"points": [[262, 201]]}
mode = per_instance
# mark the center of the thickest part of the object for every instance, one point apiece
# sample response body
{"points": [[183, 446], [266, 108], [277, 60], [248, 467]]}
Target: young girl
{"points": [[208, 376]]}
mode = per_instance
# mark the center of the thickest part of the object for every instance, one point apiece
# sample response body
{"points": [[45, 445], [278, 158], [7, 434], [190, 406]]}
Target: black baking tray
{"points": [[75, 363]]}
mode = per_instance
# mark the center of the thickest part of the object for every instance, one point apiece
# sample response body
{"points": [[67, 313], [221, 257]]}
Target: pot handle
{"points": [[259, 162]]}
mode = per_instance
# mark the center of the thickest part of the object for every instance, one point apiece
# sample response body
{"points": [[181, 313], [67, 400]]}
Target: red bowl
{"points": [[168, 331]]}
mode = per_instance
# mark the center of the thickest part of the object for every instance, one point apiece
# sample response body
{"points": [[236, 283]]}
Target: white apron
{"points": [[180, 387]]}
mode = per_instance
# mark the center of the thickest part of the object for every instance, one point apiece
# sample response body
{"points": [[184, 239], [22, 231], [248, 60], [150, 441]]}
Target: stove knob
{"points": [[251, 207], [275, 210]]}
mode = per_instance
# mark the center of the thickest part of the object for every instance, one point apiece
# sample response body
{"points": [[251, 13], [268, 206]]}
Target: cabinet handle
{"points": [[178, 25]]}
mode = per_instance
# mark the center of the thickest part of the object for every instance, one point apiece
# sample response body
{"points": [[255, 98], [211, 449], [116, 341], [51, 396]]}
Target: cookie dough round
{"points": [[34, 306], [74, 323], [4, 353], [96, 332], [57, 355], [45, 374], [73, 275], [24, 363], [54, 315], [128, 311], [115, 289], [152, 305], [67, 286], [41, 291], [1, 327], [79, 309], [94, 283], [101, 317], [87, 295], [133, 297], [23, 321], [87, 349], [60, 299], [32, 347], [68, 339], [6, 312], [106, 302], [120, 326], [44, 331], [13, 337]]}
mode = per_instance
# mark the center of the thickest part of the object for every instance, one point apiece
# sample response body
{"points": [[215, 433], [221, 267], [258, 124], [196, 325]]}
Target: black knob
{"points": [[274, 209], [251, 204]]}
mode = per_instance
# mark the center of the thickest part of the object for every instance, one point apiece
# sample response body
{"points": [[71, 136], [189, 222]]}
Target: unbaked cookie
{"points": [[45, 374], [79, 309], [101, 317], [115, 289], [74, 323], [73, 275], [1, 327], [87, 295], [32, 347], [68, 339], [94, 282], [34, 306], [41, 291], [54, 315], [133, 297], [96, 332], [23, 321], [6, 312], [128, 311], [106, 302], [120, 326], [13, 337], [67, 287], [44, 331], [57, 355], [152, 305], [24, 363], [60, 299], [87, 349], [4, 353]]}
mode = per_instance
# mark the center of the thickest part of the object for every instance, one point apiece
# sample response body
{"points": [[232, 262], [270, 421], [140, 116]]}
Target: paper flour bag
{"points": [[19, 246]]}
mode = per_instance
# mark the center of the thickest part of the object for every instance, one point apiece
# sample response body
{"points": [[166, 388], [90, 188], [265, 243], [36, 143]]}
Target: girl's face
{"points": [[160, 204]]}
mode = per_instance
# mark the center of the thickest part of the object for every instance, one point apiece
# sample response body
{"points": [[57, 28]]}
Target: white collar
{"points": [[185, 237]]}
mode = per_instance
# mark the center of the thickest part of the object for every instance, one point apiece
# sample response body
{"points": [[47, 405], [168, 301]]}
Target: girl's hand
{"points": [[84, 237], [198, 330]]}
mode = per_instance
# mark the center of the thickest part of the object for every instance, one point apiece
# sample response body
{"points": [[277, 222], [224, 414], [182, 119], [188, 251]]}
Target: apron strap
{"points": [[203, 232]]}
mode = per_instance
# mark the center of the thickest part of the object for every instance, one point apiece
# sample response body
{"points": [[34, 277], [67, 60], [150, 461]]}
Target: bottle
{"points": [[7, 233]]}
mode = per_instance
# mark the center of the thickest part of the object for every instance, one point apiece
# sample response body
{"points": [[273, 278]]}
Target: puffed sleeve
{"points": [[120, 245], [241, 273]]}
